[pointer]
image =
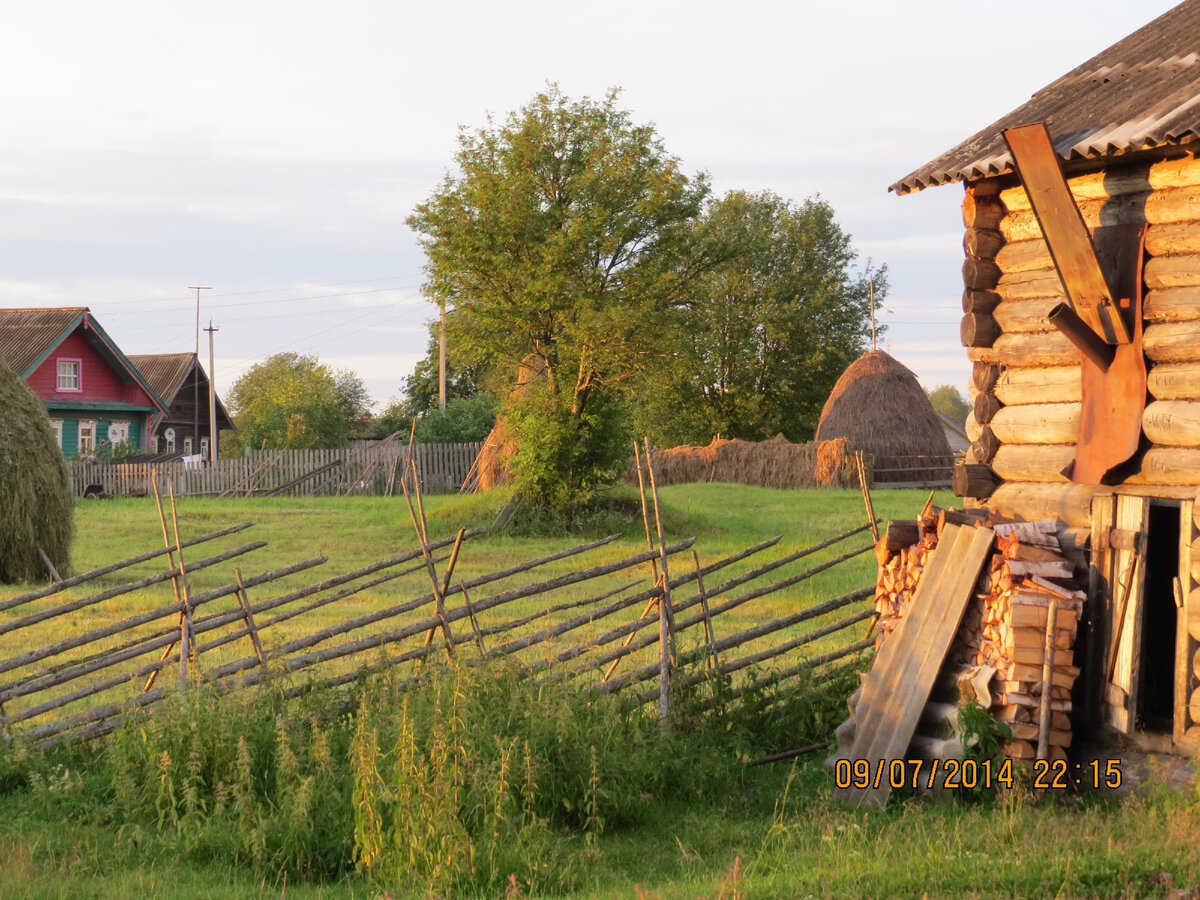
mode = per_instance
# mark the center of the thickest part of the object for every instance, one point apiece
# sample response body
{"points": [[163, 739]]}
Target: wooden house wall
{"points": [[180, 415], [1026, 378], [99, 382]]}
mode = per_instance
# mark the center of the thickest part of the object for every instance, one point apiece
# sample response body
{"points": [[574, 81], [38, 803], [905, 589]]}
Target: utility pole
{"points": [[196, 373], [212, 396], [871, 286], [442, 355]]}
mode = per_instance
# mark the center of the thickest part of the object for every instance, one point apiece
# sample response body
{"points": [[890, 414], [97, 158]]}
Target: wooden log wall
{"points": [[1025, 384]]}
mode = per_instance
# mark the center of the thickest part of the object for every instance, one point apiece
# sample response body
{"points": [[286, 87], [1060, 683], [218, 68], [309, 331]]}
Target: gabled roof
{"points": [[168, 372], [1141, 93], [28, 336]]}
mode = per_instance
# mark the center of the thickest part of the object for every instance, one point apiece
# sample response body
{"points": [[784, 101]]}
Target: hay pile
{"points": [[490, 468], [879, 407], [777, 463], [36, 508]]}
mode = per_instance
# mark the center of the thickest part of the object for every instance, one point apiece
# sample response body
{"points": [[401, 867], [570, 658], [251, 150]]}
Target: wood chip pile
{"points": [[1002, 639]]}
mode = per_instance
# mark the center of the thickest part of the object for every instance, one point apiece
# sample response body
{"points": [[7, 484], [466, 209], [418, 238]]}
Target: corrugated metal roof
{"points": [[165, 372], [1141, 93], [27, 334]]}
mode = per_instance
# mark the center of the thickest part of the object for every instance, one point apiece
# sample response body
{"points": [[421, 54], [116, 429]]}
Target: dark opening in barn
{"points": [[1156, 675]]}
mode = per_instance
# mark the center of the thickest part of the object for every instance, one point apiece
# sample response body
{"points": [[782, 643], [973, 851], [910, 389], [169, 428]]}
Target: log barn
{"points": [[1081, 316]]}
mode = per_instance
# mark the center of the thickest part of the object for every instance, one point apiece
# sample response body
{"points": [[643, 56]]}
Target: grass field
{"points": [[770, 831]]}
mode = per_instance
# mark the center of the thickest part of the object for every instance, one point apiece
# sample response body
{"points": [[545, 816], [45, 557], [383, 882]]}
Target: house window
{"points": [[169, 434], [187, 446], [57, 425], [87, 438], [154, 445], [204, 447], [118, 433], [69, 375]]}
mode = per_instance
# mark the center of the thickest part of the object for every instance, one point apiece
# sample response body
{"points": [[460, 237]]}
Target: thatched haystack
{"points": [[36, 508], [879, 408], [777, 463], [490, 468]]}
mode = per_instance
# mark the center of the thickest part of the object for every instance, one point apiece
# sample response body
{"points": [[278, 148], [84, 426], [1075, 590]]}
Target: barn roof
{"points": [[168, 372], [1141, 93]]}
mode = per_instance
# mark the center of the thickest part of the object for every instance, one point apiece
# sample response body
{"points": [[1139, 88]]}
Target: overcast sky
{"points": [[273, 149]]}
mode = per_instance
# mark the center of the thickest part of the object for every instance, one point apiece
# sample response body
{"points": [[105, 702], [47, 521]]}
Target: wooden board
{"points": [[1126, 639], [1182, 642], [1185, 646], [897, 687]]}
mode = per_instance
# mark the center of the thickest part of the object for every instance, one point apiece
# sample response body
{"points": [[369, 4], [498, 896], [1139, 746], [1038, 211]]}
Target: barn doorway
{"points": [[1156, 673]]}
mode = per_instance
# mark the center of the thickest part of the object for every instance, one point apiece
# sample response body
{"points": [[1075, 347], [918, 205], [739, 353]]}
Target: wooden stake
{"points": [[247, 616], [666, 631], [418, 527], [708, 623], [55, 577], [1043, 747], [866, 492], [186, 626], [474, 624]]}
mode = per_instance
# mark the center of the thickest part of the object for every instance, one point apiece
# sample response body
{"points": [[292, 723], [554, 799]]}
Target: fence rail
{"points": [[84, 684], [296, 473]]}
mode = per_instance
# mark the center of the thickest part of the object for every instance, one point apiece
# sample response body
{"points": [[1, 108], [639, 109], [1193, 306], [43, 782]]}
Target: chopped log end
{"points": [[986, 407], [975, 481], [986, 447], [979, 301], [985, 376], [982, 242], [980, 274]]}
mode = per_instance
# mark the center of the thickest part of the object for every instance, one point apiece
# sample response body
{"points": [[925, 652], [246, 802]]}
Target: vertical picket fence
{"points": [[372, 471]]}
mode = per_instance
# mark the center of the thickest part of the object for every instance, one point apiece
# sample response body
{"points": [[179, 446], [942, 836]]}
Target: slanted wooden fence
{"points": [[295, 473], [83, 684]]}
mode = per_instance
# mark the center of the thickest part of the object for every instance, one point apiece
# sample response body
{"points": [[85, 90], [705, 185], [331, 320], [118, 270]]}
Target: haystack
{"points": [[490, 468], [879, 408], [777, 463], [36, 507]]}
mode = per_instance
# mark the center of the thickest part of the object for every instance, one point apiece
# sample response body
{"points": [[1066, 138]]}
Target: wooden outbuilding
{"points": [[180, 380], [1084, 331]]}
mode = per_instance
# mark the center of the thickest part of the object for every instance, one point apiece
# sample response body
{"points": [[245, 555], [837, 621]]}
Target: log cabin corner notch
{"points": [[1125, 127]]}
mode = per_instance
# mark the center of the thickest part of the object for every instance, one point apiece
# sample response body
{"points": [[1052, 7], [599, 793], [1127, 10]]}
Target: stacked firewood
{"points": [[1004, 627], [1028, 575], [902, 553]]}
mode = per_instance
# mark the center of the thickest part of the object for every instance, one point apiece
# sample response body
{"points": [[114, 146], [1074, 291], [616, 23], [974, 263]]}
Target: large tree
{"points": [[769, 330], [559, 247], [290, 401]]}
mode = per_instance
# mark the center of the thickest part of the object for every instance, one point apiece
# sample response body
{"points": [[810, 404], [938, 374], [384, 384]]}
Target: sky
{"points": [[272, 150]]}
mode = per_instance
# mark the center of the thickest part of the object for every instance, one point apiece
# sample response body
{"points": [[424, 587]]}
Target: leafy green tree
{"points": [[289, 400], [421, 386], [560, 245], [949, 401], [768, 331], [464, 420], [352, 395]]}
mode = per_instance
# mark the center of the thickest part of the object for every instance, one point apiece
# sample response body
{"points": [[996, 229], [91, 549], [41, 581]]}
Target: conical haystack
{"points": [[36, 508], [490, 468], [878, 407]]}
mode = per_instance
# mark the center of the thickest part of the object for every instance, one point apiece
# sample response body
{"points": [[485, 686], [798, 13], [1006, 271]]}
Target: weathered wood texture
{"points": [[442, 467], [897, 687], [1026, 380]]}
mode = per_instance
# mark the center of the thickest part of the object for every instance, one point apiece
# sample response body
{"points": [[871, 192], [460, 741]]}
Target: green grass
{"points": [[725, 831], [355, 532]]}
